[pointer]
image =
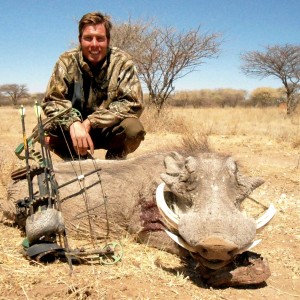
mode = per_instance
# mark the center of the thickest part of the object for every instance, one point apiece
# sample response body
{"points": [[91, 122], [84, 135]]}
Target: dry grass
{"points": [[266, 143], [240, 121]]}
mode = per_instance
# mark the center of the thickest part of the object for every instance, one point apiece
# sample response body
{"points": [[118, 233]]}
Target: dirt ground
{"points": [[146, 273]]}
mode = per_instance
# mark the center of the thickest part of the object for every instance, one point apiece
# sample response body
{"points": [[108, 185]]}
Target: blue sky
{"points": [[35, 32]]}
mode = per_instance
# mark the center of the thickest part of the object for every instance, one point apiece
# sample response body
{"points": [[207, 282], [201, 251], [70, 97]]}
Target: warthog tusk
{"points": [[180, 241], [169, 216], [266, 217], [248, 247]]}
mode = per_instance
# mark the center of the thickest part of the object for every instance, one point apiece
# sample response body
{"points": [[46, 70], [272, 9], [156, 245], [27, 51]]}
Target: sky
{"points": [[35, 32]]}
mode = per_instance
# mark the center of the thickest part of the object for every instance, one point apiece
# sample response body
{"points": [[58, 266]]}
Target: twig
{"points": [[298, 163], [24, 292], [282, 292], [255, 201]]}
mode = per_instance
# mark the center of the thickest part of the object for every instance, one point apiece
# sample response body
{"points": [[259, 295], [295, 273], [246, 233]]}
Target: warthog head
{"points": [[202, 207]]}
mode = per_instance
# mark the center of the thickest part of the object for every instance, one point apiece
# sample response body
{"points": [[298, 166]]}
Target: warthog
{"points": [[179, 203]]}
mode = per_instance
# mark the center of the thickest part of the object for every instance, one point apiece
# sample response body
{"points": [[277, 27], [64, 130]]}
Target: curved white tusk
{"points": [[248, 247], [169, 216], [180, 241], [266, 217]]}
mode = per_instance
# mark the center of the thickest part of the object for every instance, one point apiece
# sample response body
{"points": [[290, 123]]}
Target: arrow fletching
{"points": [[22, 111], [37, 109]]}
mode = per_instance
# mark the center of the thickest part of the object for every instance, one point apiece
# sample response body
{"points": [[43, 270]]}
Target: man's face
{"points": [[94, 43]]}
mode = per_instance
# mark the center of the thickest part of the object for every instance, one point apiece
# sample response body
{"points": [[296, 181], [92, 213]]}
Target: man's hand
{"points": [[81, 138]]}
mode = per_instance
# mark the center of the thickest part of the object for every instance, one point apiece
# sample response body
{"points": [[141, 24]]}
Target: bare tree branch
{"points": [[163, 55]]}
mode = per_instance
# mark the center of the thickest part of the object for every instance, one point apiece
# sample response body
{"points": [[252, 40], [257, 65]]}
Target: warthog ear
{"points": [[174, 163], [250, 183], [246, 184]]}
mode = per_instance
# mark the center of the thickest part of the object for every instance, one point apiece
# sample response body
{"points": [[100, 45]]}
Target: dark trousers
{"points": [[119, 140]]}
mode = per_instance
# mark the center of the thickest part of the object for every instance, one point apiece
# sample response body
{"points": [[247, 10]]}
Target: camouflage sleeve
{"points": [[125, 101], [56, 95]]}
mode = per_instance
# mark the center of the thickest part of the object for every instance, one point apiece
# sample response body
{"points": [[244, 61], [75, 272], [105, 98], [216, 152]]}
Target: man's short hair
{"points": [[95, 18]]}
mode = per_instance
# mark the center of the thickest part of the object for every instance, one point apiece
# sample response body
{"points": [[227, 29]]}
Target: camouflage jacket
{"points": [[105, 96]]}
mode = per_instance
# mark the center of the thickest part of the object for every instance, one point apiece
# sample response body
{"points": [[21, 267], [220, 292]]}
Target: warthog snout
{"points": [[217, 248]]}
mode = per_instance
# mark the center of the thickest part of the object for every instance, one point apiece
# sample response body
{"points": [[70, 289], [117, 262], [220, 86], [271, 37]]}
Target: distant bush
{"points": [[208, 98], [260, 97], [264, 97]]}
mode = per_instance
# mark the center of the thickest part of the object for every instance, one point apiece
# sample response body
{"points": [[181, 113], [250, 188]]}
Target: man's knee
{"points": [[133, 128], [127, 137], [135, 133]]}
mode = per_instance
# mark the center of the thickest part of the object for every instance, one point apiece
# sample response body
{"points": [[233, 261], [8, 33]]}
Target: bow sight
{"points": [[41, 212]]}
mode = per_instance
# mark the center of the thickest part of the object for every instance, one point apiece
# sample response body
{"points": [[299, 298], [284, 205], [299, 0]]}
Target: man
{"points": [[102, 84]]}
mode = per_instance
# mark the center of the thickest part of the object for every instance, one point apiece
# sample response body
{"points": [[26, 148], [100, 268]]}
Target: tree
{"points": [[14, 91], [164, 55], [282, 62]]}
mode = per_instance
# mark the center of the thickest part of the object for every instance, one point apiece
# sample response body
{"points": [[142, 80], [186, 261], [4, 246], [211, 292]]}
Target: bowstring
{"points": [[104, 196], [84, 195]]}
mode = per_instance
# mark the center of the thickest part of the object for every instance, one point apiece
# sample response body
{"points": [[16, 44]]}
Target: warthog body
{"points": [[204, 191]]}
